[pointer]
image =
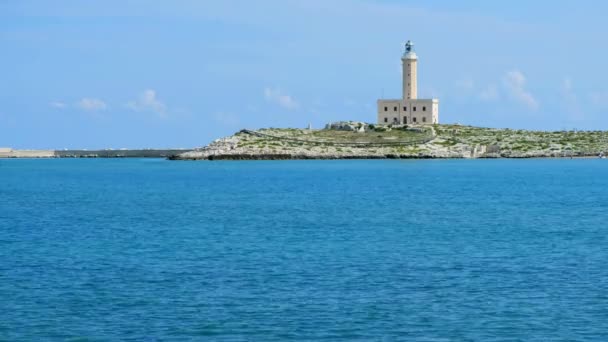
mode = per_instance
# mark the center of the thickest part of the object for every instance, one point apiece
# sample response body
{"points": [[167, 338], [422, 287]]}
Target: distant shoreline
{"points": [[128, 153], [175, 155], [357, 140]]}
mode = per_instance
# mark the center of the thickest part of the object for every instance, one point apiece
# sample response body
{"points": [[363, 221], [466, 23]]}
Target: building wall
{"points": [[423, 111], [419, 111], [389, 111], [410, 78]]}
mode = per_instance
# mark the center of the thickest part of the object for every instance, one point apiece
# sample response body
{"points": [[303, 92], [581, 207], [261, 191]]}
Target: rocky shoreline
{"points": [[365, 141], [234, 156], [296, 157]]}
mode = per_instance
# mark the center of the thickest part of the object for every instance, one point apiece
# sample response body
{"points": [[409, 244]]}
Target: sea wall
{"points": [[10, 153], [142, 153]]}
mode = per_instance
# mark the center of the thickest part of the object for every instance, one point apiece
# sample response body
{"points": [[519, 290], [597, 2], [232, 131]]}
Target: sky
{"points": [[158, 74]]}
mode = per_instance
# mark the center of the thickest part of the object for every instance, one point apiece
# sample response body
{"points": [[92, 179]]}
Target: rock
{"points": [[451, 142], [354, 126]]}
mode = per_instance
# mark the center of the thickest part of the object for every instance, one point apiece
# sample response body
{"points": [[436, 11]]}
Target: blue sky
{"points": [[97, 74]]}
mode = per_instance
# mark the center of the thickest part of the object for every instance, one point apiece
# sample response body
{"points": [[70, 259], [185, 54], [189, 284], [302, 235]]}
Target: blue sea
{"points": [[412, 250]]}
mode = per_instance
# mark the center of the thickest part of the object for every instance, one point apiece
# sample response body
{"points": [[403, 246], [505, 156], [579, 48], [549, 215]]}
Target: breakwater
{"points": [[134, 153]]}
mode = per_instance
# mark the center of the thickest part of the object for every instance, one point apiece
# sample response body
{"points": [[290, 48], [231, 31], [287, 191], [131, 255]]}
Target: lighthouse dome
{"points": [[410, 55], [409, 51]]}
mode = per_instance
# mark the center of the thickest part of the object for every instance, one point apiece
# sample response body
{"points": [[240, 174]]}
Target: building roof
{"points": [[408, 100]]}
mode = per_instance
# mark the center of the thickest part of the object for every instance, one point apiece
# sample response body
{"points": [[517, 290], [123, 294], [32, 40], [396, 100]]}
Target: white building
{"points": [[409, 109]]}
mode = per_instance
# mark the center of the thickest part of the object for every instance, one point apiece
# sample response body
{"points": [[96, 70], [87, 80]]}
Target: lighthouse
{"points": [[409, 63], [409, 109]]}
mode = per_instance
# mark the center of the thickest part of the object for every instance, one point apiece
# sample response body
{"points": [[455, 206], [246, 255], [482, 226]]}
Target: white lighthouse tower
{"points": [[410, 72], [409, 109]]}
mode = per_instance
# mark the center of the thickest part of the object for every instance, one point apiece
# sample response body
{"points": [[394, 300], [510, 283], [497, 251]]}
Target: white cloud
{"points": [[147, 101], [490, 93], [276, 96], [567, 85], [465, 83], [227, 119], [570, 99], [91, 104], [515, 82], [599, 98], [58, 104]]}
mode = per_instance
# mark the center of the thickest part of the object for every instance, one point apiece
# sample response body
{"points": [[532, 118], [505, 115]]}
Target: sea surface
{"points": [[413, 250]]}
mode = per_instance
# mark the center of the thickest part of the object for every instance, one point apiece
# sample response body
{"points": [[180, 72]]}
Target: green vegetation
{"points": [[521, 140], [379, 134]]}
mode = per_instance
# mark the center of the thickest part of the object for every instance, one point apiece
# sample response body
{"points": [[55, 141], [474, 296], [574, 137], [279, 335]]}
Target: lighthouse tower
{"points": [[409, 109], [410, 72]]}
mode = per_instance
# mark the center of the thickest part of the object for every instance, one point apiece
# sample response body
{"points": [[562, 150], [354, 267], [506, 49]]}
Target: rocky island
{"points": [[358, 140]]}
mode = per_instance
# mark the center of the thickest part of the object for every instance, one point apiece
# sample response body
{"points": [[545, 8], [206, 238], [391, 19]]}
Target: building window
{"points": [[386, 109], [394, 109], [404, 120], [414, 109], [385, 119], [423, 119], [404, 109], [414, 119], [424, 109], [395, 120]]}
